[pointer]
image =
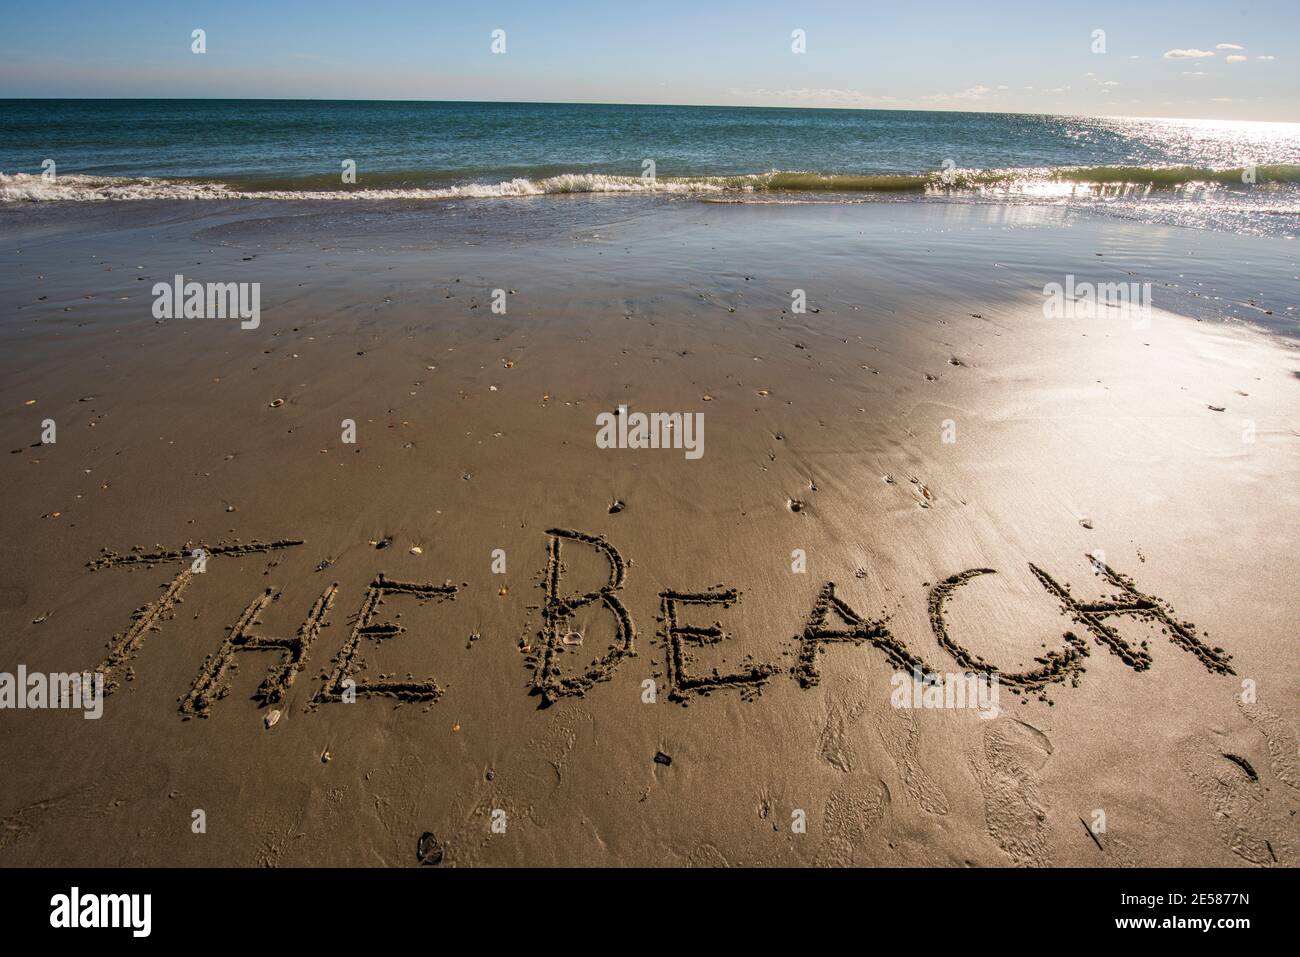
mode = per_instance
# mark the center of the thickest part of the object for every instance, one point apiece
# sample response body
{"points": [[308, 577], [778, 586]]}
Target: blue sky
{"points": [[1192, 59]]}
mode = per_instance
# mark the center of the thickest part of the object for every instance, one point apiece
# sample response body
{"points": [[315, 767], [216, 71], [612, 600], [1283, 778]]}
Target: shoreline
{"points": [[1179, 196]]}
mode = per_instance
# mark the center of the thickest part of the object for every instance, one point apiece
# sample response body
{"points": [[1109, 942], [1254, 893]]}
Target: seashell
{"points": [[428, 850]]}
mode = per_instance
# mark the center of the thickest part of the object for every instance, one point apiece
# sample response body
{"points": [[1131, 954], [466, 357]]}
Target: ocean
{"points": [[1235, 176]]}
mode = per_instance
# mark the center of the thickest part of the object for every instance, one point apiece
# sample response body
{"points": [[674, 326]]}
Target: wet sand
{"points": [[921, 420]]}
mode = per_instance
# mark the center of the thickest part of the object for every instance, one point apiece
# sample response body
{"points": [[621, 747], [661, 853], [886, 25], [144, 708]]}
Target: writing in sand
{"points": [[831, 623]]}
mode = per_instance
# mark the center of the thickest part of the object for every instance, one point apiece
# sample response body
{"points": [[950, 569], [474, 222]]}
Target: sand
{"points": [[563, 654]]}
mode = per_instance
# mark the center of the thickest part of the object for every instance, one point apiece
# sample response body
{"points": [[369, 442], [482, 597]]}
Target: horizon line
{"points": [[700, 106]]}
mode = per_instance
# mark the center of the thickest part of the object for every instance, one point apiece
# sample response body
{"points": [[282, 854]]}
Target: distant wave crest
{"points": [[24, 187], [76, 187]]}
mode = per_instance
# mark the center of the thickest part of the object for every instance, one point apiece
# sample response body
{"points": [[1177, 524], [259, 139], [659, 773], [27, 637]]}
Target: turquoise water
{"points": [[1170, 171]]}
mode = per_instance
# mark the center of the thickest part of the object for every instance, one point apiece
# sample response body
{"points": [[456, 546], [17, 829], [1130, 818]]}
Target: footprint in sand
{"points": [[471, 818], [93, 808], [901, 737], [548, 754], [706, 855], [1229, 788], [1281, 740], [833, 745], [279, 831], [25, 821], [850, 813], [1014, 810]]}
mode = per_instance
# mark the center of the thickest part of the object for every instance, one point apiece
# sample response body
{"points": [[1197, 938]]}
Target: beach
{"points": [[525, 617]]}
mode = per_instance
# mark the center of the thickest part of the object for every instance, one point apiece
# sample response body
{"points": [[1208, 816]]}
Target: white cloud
{"points": [[1111, 83], [1193, 73], [1220, 99], [1265, 58], [1189, 54], [1228, 46], [1236, 58]]}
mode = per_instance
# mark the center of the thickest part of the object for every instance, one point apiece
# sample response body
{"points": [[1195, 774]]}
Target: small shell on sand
{"points": [[272, 717], [427, 850], [276, 403], [417, 550]]}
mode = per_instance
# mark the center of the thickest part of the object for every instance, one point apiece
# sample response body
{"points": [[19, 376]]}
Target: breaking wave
{"points": [[1038, 182]]}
